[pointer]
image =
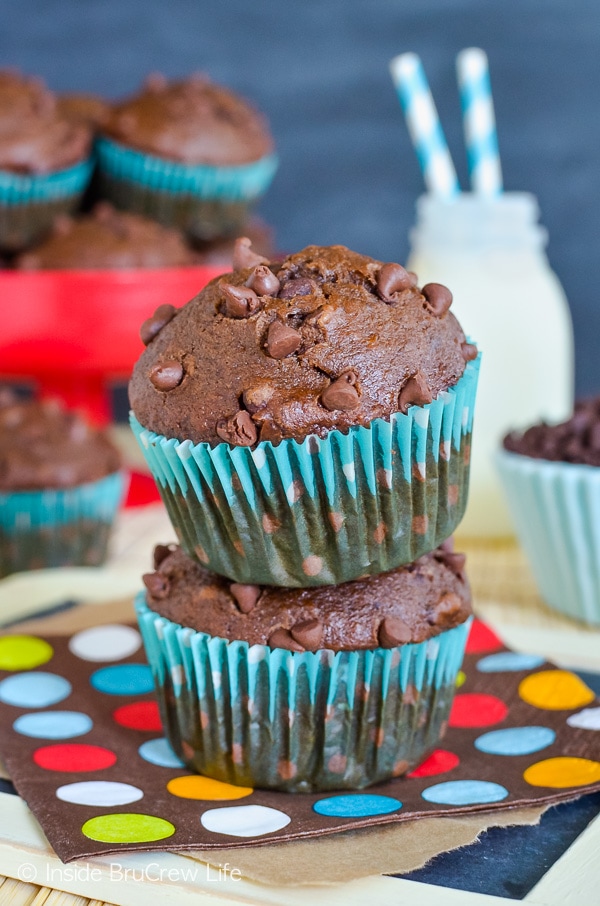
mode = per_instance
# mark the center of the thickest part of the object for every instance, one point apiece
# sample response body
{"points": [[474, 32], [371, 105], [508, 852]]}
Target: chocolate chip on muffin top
{"points": [[409, 604], [576, 440], [326, 339], [44, 446]]}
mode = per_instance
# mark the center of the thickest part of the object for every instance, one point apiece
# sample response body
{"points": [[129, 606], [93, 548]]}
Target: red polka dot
{"points": [[74, 757], [139, 716], [438, 762], [482, 639], [475, 709]]}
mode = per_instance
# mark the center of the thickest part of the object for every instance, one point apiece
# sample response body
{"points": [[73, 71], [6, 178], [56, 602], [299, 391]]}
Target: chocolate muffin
{"points": [[551, 476], [188, 153], [308, 422], [407, 605], [45, 161], [304, 690], [108, 239], [328, 339], [60, 487]]}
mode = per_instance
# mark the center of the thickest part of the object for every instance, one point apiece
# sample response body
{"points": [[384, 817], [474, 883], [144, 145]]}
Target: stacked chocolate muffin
{"points": [[309, 425]]}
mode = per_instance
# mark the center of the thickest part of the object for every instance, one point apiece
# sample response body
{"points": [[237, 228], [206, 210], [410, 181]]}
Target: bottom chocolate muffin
{"points": [[305, 689]]}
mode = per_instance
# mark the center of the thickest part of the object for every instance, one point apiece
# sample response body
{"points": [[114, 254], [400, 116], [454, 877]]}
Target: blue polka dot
{"points": [[34, 690], [53, 724], [509, 662], [159, 752], [465, 792], [123, 679], [515, 740], [358, 805]]}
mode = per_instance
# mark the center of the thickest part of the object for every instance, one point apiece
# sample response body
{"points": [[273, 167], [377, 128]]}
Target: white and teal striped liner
{"points": [[556, 511], [384, 444], [479, 122], [210, 667], [232, 183], [21, 511], [18, 188], [424, 125]]}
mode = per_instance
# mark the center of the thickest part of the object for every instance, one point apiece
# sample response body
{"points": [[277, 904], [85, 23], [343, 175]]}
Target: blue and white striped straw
{"points": [[479, 122], [424, 125]]}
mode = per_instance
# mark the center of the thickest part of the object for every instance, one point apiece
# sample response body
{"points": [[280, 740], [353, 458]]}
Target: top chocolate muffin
{"points": [[35, 136], [326, 339], [191, 121], [576, 440]]}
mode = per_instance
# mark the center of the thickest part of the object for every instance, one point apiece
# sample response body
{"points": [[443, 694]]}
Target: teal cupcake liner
{"points": [[205, 201], [64, 527], [29, 203], [555, 507], [301, 722], [324, 510]]}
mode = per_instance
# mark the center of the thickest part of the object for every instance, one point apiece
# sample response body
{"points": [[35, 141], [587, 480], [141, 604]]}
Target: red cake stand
{"points": [[73, 333]]}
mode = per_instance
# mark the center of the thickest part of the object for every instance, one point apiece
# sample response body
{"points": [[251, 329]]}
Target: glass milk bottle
{"points": [[490, 252]]}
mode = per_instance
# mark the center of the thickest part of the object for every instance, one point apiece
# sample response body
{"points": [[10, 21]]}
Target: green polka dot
{"points": [[23, 652], [127, 828], [460, 679]]}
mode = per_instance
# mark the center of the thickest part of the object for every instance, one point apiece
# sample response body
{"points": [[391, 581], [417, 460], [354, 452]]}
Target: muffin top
{"points": [[409, 604], [43, 446], [576, 440], [108, 238], [190, 121], [325, 339], [35, 137]]}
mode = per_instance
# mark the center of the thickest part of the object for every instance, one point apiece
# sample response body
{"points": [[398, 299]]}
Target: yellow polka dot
{"points": [[23, 652], [563, 772], [460, 679], [555, 690], [193, 786]]}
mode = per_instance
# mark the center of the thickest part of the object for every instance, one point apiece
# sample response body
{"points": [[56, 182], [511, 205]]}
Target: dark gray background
{"points": [[319, 70]]}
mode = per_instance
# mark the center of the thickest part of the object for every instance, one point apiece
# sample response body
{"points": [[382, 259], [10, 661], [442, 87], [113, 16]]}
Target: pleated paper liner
{"points": [[58, 527], [29, 203], [324, 510], [206, 201], [253, 716], [83, 742], [556, 510]]}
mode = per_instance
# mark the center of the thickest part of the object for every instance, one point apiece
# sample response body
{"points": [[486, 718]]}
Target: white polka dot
{"points": [[216, 678], [99, 792], [244, 820], [256, 654], [446, 449], [177, 675], [291, 493], [588, 719], [465, 416], [421, 416], [422, 469], [433, 648], [184, 450], [105, 643], [349, 471]]}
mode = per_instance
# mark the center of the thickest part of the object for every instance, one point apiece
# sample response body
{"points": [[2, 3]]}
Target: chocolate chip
{"points": [[243, 256], [238, 430], [263, 281], [240, 301], [167, 375], [308, 633], [415, 392], [282, 638], [152, 326], [391, 279], [157, 584], [297, 286], [438, 297], [246, 596], [341, 393], [282, 340], [448, 607], [161, 552], [469, 351], [454, 561], [393, 631], [256, 398]]}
